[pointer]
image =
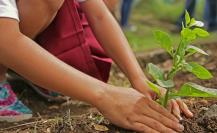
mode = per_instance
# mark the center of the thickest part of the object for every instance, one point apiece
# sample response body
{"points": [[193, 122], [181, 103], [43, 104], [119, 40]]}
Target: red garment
{"points": [[70, 38]]}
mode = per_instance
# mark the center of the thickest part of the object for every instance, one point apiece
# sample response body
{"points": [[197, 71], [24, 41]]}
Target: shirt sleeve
{"points": [[8, 9]]}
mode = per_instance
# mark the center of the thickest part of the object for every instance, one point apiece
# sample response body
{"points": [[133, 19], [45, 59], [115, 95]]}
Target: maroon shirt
{"points": [[70, 38]]}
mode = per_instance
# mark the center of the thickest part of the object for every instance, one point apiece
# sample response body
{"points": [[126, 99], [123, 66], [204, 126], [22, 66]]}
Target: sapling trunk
{"points": [[175, 68], [166, 98], [170, 76]]}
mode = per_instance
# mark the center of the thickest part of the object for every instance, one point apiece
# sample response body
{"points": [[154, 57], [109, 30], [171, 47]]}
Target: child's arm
{"points": [[26, 57], [112, 39], [124, 107]]}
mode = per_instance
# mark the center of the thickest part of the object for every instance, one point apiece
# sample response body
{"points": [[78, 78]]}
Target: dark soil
{"points": [[77, 117]]}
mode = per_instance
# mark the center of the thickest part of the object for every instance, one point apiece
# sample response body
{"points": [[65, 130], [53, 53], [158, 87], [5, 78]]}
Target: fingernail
{"points": [[179, 117], [191, 114], [181, 127]]}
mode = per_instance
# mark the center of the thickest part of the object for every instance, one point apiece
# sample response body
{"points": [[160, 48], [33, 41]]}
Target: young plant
{"points": [[191, 30]]}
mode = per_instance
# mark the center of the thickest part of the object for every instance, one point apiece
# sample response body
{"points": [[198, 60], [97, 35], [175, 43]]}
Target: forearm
{"points": [[112, 39], [31, 61]]}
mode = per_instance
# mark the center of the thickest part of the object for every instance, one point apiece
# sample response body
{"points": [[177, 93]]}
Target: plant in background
{"points": [[191, 30]]}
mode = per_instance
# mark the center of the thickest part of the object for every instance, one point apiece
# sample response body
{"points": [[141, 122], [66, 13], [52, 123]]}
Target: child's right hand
{"points": [[130, 109]]}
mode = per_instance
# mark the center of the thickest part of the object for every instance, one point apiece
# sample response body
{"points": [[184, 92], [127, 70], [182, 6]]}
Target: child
{"points": [[125, 107]]}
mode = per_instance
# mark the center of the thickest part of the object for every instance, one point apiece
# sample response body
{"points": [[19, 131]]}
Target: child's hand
{"points": [[130, 109], [174, 106]]}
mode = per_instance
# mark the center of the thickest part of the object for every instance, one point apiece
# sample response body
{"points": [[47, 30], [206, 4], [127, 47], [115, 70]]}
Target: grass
{"points": [[150, 15]]}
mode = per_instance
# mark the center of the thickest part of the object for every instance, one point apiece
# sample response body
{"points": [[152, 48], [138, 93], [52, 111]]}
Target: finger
{"points": [[184, 108], [169, 107], [155, 106], [163, 120], [175, 109], [139, 127], [156, 125]]}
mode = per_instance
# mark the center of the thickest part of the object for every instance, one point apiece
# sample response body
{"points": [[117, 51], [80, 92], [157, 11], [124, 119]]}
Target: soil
{"points": [[78, 117]]}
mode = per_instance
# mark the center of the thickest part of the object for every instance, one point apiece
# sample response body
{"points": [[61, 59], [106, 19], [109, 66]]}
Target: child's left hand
{"points": [[175, 106]]}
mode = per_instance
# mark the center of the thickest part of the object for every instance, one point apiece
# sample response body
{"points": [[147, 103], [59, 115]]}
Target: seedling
{"points": [[191, 30]]}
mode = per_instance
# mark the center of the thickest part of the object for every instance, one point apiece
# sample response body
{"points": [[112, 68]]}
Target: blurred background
{"points": [[149, 15]]}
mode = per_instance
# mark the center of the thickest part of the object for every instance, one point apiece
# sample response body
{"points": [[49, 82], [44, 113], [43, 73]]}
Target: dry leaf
{"points": [[100, 128]]}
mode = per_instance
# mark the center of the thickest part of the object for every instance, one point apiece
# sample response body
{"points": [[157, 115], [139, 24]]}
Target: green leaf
{"points": [[193, 21], [188, 67], [155, 72], [166, 84], [200, 32], [164, 40], [198, 70], [194, 90], [187, 18], [192, 49], [188, 34], [154, 87], [183, 26]]}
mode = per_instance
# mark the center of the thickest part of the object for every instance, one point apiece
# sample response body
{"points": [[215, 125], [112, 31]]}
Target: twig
{"points": [[26, 124]]}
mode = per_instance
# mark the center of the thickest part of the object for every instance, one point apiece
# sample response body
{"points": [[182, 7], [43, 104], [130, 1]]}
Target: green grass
{"points": [[150, 15]]}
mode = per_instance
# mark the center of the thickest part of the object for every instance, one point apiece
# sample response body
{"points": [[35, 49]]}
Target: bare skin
{"points": [[135, 111], [69, 81], [116, 45], [111, 4], [32, 22]]}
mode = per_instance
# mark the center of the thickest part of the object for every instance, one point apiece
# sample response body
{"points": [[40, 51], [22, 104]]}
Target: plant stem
{"points": [[171, 74], [166, 98], [177, 59]]}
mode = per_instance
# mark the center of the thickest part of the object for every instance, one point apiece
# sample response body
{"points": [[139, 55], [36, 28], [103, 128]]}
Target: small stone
{"points": [[53, 107], [48, 130], [204, 108], [100, 128]]}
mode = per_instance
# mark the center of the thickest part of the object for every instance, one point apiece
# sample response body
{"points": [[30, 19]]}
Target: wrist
{"points": [[98, 94], [141, 85], [139, 82], [136, 77]]}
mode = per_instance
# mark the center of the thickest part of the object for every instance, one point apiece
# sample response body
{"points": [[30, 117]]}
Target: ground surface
{"points": [[79, 117]]}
